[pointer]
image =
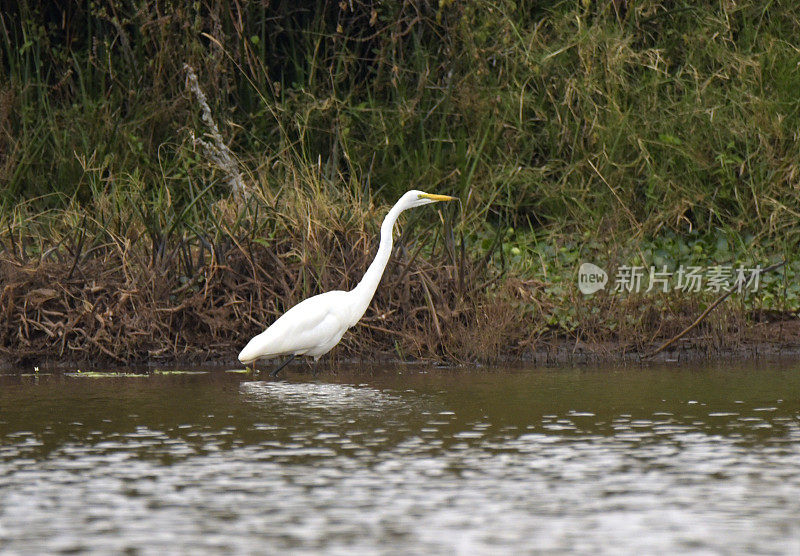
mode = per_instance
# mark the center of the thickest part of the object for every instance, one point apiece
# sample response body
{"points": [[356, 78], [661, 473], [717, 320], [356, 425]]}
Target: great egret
{"points": [[315, 325]]}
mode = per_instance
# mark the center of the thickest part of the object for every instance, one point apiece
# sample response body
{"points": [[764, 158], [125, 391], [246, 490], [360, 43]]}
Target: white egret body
{"points": [[315, 325]]}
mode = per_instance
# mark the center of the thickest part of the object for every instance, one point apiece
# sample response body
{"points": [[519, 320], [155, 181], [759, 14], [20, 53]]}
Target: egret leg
{"points": [[276, 371], [316, 368]]}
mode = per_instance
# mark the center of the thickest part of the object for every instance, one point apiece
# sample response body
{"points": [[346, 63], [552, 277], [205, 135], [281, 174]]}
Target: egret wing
{"points": [[310, 324]]}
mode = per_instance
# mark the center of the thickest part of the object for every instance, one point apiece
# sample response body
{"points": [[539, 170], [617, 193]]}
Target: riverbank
{"points": [[113, 304], [175, 178]]}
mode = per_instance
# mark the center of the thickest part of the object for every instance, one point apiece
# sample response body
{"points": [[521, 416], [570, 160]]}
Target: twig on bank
{"points": [[710, 308], [216, 150]]}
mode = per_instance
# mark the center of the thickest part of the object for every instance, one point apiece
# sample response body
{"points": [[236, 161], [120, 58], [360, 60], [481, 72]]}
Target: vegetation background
{"points": [[176, 174]]}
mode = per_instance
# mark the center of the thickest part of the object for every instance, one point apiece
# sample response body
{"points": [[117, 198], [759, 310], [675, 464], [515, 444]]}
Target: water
{"points": [[403, 460]]}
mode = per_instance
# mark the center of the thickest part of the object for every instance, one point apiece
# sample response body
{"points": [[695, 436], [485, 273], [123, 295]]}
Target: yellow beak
{"points": [[433, 197]]}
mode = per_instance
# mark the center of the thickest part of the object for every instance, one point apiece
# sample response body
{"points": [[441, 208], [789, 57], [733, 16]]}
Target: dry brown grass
{"points": [[103, 307], [136, 299]]}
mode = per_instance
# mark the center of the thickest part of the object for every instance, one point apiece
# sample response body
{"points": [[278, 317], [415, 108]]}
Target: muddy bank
{"points": [[112, 310], [557, 354]]}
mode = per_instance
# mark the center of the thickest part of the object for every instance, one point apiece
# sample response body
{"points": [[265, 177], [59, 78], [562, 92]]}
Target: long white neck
{"points": [[363, 292]]}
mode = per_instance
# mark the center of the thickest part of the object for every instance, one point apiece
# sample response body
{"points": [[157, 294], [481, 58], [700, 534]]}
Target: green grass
{"points": [[681, 116]]}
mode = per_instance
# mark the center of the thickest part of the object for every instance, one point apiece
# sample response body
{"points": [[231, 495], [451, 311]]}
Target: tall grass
{"points": [[681, 115]]}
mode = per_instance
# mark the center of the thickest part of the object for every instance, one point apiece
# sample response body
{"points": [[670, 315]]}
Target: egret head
{"points": [[416, 198]]}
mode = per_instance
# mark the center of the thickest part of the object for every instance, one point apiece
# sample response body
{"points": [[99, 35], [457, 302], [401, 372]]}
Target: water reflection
{"points": [[588, 460], [307, 397]]}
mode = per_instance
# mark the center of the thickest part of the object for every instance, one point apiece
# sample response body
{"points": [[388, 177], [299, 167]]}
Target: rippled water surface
{"points": [[404, 460]]}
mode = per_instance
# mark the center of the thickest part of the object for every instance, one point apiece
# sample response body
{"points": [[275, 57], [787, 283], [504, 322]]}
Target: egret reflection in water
{"points": [[320, 395]]}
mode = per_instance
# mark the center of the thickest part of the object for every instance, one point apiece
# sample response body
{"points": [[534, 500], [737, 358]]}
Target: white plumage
{"points": [[314, 326]]}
